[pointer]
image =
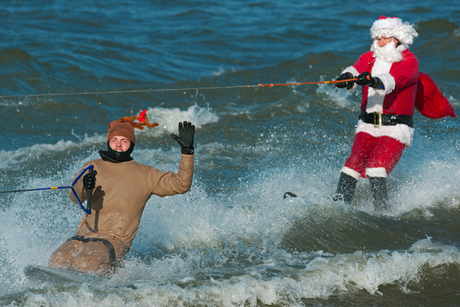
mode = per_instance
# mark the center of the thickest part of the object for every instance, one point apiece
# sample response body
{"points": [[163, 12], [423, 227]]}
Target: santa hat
{"points": [[393, 27]]}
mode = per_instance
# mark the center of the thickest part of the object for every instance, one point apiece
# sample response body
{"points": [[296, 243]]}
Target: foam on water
{"points": [[175, 280], [428, 186], [228, 245], [232, 240], [167, 119]]}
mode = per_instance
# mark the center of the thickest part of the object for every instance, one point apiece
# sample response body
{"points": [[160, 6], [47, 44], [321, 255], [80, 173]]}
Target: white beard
{"points": [[389, 53]]}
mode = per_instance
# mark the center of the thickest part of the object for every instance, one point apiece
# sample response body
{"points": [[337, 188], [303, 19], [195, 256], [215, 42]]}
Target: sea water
{"points": [[68, 68]]}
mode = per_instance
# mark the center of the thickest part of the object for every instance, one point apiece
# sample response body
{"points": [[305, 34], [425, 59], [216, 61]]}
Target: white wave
{"points": [[254, 214], [34, 152], [189, 280], [340, 96], [223, 71], [322, 275], [368, 271], [198, 227], [426, 181], [167, 119]]}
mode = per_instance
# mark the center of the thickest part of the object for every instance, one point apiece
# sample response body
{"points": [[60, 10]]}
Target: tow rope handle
{"points": [[87, 210], [88, 202]]}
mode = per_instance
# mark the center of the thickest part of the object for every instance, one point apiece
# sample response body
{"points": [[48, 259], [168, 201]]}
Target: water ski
{"points": [[45, 274], [289, 194]]}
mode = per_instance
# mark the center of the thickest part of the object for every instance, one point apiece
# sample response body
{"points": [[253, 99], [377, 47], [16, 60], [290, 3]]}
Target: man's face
{"points": [[119, 143], [383, 40]]}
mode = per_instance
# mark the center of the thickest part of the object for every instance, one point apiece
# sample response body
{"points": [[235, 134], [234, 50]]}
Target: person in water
{"points": [[388, 74], [120, 189]]}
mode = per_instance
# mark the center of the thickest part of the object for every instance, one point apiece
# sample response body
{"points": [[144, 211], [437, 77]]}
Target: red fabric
{"points": [[405, 73], [371, 152], [142, 116], [430, 101]]}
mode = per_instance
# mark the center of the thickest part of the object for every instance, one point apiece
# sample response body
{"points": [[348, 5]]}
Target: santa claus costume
{"points": [[390, 77]]}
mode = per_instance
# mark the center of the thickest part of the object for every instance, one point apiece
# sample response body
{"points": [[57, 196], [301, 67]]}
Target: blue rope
{"points": [[87, 210]]}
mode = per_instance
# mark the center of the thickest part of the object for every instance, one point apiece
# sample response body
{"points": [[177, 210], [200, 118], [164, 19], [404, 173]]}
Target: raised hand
{"points": [[185, 138]]}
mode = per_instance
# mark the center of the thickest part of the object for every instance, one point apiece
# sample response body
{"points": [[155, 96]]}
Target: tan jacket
{"points": [[122, 190]]}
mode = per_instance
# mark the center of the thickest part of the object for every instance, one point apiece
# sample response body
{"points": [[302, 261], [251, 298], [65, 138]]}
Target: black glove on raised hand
{"points": [[89, 180], [366, 79], [348, 84], [185, 138]]}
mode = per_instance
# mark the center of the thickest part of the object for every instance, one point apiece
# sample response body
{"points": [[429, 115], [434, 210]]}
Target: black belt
{"points": [[113, 259], [378, 119]]}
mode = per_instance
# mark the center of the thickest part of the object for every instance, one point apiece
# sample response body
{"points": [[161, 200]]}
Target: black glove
{"points": [[185, 138], [348, 84], [366, 79], [89, 180]]}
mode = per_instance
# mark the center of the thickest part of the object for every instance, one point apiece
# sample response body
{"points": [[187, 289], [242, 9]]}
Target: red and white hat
{"points": [[393, 27]]}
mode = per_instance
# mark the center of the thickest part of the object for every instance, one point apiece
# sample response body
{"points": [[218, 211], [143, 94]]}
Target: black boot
{"points": [[346, 187], [380, 193]]}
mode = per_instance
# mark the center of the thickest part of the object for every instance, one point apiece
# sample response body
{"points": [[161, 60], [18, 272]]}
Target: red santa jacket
{"points": [[401, 100]]}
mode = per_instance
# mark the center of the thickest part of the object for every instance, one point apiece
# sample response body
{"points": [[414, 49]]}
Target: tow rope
{"points": [[88, 200], [178, 89]]}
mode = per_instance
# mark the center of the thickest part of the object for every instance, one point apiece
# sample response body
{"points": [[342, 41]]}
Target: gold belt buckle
{"points": [[377, 119]]}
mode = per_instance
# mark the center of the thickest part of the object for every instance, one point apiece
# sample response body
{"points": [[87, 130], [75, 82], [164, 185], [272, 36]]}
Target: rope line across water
{"points": [[174, 89]]}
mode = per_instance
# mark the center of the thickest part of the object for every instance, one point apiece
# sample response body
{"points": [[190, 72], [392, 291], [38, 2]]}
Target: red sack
{"points": [[430, 101]]}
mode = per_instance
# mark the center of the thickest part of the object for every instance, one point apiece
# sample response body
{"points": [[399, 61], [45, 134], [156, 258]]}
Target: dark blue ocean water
{"points": [[68, 68]]}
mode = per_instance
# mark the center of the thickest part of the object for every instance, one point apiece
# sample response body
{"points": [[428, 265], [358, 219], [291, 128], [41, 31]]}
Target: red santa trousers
{"points": [[369, 153]]}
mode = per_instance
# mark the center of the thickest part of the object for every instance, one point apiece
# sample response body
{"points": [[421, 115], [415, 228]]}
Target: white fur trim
{"points": [[350, 172], [375, 100], [381, 69], [394, 27], [400, 132], [375, 97], [351, 70], [386, 23], [376, 172], [388, 81]]}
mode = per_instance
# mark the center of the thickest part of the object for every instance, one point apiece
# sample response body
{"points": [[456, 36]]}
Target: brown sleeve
{"points": [[170, 183]]}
